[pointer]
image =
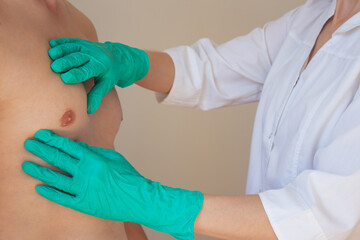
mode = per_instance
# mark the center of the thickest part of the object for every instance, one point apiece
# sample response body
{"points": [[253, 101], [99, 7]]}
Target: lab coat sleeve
{"points": [[209, 76], [323, 203]]}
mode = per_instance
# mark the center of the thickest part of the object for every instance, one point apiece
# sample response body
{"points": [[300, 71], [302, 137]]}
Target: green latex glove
{"points": [[104, 184], [111, 64]]}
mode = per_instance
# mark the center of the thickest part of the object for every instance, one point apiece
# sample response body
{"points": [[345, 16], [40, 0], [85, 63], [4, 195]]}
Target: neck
{"points": [[345, 9]]}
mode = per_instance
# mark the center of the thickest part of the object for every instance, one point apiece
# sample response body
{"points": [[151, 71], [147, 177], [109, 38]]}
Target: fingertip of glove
{"points": [[55, 67], [93, 102], [67, 78], [33, 146], [90, 110], [27, 166], [92, 106], [53, 52], [53, 42], [42, 190], [27, 144], [43, 135]]}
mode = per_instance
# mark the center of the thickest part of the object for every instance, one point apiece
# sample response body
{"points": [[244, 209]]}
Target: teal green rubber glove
{"points": [[102, 183], [109, 63]]}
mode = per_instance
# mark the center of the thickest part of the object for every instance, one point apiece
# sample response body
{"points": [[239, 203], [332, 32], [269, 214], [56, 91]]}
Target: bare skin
{"points": [[237, 217], [345, 9], [32, 97], [230, 217], [161, 74]]}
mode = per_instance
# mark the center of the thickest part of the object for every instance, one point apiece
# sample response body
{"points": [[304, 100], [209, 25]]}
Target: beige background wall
{"points": [[206, 151]]}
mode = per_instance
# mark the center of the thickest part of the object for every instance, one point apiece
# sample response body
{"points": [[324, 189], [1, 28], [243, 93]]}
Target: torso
{"points": [[32, 97]]}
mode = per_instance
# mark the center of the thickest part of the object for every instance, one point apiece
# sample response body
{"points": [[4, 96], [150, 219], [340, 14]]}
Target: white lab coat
{"points": [[305, 153]]}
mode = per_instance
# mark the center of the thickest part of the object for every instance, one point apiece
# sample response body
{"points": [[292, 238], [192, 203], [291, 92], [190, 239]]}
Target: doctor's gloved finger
{"points": [[73, 60], [58, 41], [105, 152], [62, 143], [93, 104], [96, 94], [56, 196], [52, 155], [80, 74], [63, 50], [48, 176]]}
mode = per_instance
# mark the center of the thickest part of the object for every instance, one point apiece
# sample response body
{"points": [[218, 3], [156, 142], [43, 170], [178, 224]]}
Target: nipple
{"points": [[67, 119]]}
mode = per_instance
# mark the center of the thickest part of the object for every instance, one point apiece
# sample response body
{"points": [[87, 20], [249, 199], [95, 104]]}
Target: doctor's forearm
{"points": [[161, 74], [234, 217]]}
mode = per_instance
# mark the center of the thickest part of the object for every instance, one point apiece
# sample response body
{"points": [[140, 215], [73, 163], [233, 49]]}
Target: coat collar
{"points": [[350, 24]]}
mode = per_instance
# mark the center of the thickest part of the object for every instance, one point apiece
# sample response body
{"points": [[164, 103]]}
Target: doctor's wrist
{"points": [[174, 211], [130, 64]]}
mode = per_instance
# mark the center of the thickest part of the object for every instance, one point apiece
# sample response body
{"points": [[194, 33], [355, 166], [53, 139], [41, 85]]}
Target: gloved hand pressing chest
{"points": [[105, 185], [109, 63]]}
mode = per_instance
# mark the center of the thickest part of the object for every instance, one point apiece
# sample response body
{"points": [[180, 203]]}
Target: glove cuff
{"points": [[179, 209], [133, 63]]}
